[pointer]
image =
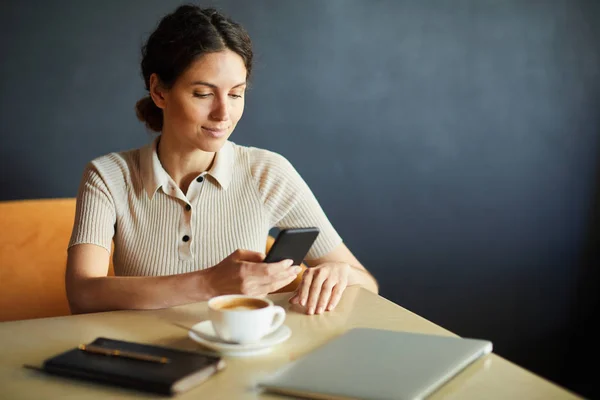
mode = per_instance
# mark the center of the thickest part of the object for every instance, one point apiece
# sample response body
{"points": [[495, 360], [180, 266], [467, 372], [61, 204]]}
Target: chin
{"points": [[211, 145]]}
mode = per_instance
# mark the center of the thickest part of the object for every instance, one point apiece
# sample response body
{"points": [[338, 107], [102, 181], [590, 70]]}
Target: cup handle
{"points": [[278, 318]]}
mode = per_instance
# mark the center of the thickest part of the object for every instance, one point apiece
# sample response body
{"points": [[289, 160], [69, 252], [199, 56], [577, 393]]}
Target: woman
{"points": [[189, 214]]}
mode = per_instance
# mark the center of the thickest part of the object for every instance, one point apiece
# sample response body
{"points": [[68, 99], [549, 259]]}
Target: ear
{"points": [[157, 91]]}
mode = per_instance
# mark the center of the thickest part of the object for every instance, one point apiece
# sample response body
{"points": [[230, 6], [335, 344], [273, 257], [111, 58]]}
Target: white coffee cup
{"points": [[244, 319]]}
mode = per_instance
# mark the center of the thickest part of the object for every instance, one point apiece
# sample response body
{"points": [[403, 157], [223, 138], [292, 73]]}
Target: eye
{"points": [[235, 96], [202, 95]]}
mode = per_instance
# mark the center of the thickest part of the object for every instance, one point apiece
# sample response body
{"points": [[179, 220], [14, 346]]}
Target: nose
{"points": [[220, 110]]}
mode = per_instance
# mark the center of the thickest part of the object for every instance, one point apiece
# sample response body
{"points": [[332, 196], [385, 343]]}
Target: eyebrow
{"points": [[213, 85]]}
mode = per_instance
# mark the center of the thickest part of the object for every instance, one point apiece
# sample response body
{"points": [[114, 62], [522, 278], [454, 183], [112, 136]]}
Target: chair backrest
{"points": [[34, 235]]}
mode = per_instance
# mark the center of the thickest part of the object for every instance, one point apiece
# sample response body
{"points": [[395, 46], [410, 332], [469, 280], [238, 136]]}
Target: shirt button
{"points": [[186, 238], [199, 179], [188, 207]]}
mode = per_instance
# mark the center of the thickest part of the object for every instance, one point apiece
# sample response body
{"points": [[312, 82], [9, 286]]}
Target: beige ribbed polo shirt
{"points": [[129, 199]]}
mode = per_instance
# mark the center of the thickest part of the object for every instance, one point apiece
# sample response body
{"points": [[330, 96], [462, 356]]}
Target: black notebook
{"points": [[139, 366]]}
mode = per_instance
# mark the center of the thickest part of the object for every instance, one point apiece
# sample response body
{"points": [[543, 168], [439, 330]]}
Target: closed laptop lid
{"points": [[377, 364]]}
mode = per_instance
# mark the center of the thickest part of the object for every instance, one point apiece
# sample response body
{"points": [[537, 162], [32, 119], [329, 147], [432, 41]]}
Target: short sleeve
{"points": [[288, 200], [95, 214]]}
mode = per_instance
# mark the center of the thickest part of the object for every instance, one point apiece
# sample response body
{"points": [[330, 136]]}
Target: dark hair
{"points": [[181, 38]]}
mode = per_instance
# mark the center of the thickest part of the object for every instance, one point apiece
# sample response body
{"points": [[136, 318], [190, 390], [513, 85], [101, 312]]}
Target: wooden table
{"points": [[32, 341]]}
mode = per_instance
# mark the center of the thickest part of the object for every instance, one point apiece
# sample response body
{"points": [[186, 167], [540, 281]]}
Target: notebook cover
{"points": [[185, 369]]}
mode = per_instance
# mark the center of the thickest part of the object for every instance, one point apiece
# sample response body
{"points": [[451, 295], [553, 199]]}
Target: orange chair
{"points": [[34, 236]]}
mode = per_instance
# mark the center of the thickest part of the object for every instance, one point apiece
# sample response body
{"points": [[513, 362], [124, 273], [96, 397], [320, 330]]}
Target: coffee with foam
{"points": [[244, 319], [241, 304]]}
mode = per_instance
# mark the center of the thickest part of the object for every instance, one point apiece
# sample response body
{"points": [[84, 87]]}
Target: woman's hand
{"points": [[244, 272], [322, 287]]}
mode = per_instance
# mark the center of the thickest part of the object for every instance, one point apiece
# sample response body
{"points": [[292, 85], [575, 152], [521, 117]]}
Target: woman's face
{"points": [[206, 102]]}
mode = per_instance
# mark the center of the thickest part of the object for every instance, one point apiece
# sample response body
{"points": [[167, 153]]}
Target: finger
{"points": [[324, 296], [295, 299], [272, 286], [267, 273], [305, 286], [284, 278], [336, 296], [281, 266], [280, 276], [314, 293], [276, 269], [256, 281]]}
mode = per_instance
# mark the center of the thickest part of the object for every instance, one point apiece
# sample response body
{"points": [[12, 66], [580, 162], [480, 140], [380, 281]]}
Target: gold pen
{"points": [[122, 353]]}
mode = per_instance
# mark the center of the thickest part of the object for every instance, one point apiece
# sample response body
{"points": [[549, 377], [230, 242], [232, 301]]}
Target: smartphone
{"points": [[292, 243]]}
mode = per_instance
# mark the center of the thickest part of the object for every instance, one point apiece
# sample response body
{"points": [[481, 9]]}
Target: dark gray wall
{"points": [[454, 144]]}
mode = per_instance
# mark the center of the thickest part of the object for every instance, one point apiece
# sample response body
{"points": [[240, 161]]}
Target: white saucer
{"points": [[204, 334]]}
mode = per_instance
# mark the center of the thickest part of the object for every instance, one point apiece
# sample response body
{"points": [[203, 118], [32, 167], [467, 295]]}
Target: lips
{"points": [[215, 132]]}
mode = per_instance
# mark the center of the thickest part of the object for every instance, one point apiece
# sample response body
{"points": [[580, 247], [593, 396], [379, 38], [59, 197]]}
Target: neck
{"points": [[182, 163]]}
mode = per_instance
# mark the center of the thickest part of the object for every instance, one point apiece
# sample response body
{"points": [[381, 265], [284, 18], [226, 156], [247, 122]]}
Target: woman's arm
{"points": [[89, 289]]}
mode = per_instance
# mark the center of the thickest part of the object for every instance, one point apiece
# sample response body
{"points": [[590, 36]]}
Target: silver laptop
{"points": [[377, 364]]}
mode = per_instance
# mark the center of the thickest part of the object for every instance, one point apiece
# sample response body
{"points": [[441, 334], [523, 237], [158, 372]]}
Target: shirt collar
{"points": [[154, 175], [222, 168]]}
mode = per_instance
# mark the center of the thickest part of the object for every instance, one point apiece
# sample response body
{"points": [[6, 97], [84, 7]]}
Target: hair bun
{"points": [[149, 113]]}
